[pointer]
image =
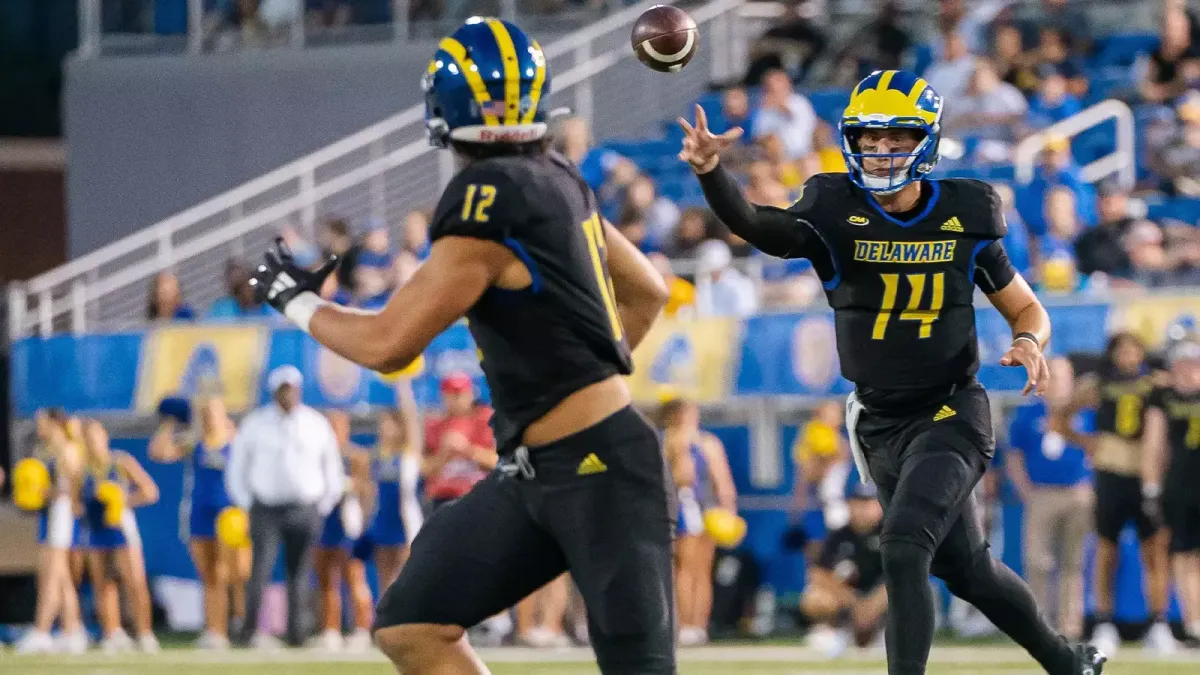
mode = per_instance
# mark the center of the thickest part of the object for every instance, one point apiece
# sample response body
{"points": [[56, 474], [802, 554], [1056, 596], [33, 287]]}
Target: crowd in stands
{"points": [[1006, 71]]}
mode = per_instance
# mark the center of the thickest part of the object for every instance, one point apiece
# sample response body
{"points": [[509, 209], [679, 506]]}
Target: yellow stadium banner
{"points": [[1149, 316], [187, 361], [685, 359]]}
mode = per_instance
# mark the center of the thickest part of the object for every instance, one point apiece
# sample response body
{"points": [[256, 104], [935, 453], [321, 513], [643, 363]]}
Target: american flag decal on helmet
{"points": [[493, 108]]}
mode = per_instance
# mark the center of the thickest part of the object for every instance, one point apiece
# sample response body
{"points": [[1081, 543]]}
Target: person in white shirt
{"points": [[286, 470], [951, 74], [722, 290], [785, 114]]}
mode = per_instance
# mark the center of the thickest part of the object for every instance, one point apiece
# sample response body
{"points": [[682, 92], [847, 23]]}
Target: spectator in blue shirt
{"points": [[416, 234], [1053, 480], [1016, 242], [605, 171], [240, 303], [1057, 169], [1053, 102], [374, 276], [165, 301]]}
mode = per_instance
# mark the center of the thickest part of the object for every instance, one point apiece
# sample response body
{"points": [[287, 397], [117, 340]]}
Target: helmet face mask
{"points": [[887, 102], [486, 84]]}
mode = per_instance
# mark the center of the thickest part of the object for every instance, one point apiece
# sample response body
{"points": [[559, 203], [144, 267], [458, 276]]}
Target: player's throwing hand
{"points": [[279, 280], [701, 147], [1025, 352]]}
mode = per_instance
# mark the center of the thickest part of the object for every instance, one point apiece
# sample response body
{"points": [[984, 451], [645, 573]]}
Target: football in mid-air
{"points": [[665, 38]]}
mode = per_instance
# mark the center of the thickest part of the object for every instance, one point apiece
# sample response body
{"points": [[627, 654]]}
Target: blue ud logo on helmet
{"points": [[487, 83], [892, 99]]}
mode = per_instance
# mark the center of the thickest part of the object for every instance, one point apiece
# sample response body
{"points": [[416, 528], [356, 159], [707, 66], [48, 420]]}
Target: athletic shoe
{"points": [[35, 642], [116, 643], [581, 634], [1089, 660], [691, 636], [1106, 639], [360, 641], [265, 642], [72, 643], [147, 643], [328, 640], [1160, 640], [213, 642]]}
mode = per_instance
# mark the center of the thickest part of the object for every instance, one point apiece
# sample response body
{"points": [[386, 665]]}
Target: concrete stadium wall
{"points": [[149, 136]]}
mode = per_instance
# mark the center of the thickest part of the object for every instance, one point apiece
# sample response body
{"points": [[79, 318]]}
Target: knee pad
{"points": [[904, 559]]}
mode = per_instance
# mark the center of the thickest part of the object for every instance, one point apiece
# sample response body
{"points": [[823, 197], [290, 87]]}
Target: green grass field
{"points": [[734, 660]]}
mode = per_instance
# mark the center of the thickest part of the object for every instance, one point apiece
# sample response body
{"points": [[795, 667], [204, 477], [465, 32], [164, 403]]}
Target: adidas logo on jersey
{"points": [[952, 225], [945, 412], [590, 465]]}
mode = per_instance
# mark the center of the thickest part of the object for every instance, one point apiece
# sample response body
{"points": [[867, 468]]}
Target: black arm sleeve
{"points": [[993, 270], [771, 230]]}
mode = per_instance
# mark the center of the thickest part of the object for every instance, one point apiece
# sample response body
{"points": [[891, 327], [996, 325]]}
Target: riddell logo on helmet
{"points": [[489, 136]]}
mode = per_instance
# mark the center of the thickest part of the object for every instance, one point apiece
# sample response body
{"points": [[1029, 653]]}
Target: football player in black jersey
{"points": [[1172, 447], [555, 299], [845, 587], [900, 257], [1127, 492]]}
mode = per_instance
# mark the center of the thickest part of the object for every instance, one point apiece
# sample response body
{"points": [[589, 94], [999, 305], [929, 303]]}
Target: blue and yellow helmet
{"points": [[892, 99], [487, 83]]}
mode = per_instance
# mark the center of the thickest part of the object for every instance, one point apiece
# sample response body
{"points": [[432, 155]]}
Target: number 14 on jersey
{"points": [[913, 311]]}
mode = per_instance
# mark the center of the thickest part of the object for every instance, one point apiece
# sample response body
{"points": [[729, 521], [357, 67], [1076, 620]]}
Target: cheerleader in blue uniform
{"points": [[396, 468], [43, 483], [701, 472], [113, 483], [223, 569], [339, 536]]}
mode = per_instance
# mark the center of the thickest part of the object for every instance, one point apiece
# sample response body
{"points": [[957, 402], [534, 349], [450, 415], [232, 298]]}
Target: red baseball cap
{"points": [[457, 383]]}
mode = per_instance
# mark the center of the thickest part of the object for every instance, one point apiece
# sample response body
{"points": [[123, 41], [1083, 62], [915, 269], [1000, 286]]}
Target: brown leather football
{"points": [[665, 38]]}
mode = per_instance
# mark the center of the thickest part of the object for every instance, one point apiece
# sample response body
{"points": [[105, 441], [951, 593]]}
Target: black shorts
{"points": [[926, 465], [597, 506], [1181, 510], [1118, 502]]}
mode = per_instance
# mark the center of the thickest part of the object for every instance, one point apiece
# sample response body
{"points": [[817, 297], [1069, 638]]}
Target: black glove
{"points": [[279, 279]]}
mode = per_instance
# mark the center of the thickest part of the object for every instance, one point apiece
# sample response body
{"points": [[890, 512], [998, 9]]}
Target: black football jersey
{"points": [[563, 332], [853, 558], [1122, 405], [901, 285], [1183, 437]]}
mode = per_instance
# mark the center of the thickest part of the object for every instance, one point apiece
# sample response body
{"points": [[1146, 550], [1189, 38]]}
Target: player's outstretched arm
{"points": [[458, 271], [641, 291], [1030, 329], [769, 229]]}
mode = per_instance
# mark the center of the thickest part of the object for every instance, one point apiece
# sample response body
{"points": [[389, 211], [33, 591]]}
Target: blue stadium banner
{"points": [[707, 360], [79, 373], [685, 358], [190, 360], [796, 354], [790, 354]]}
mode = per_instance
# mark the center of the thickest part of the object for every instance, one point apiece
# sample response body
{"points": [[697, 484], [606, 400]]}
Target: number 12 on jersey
{"points": [[593, 231], [913, 312]]}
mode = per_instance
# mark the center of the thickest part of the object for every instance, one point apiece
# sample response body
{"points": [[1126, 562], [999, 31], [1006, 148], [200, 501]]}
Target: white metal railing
{"points": [[1122, 161], [384, 170]]}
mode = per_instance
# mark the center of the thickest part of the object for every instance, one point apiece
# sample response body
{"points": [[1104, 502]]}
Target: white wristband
{"points": [[1026, 337], [301, 308], [1151, 491]]}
